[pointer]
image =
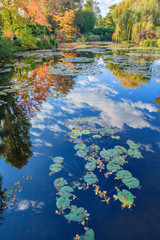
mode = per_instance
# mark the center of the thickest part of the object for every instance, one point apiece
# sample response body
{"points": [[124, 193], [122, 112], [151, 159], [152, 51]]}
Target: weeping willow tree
{"points": [[133, 16]]}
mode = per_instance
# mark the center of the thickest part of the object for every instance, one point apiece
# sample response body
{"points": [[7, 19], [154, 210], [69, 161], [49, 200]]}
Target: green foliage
{"points": [[6, 50], [149, 43], [85, 20], [158, 43], [105, 33]]}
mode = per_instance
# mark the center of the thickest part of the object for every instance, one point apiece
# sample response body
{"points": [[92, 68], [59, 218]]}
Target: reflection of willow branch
{"points": [[127, 80], [38, 86], [157, 100], [15, 146]]}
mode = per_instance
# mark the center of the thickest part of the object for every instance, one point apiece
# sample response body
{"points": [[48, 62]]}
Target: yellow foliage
{"points": [[65, 21], [8, 33]]}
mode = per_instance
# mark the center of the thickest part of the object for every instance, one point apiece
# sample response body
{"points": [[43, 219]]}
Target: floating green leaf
{"points": [[86, 132], [90, 166], [97, 136], [126, 197], [90, 158], [89, 235], [76, 214], [115, 137], [120, 149], [60, 182], [123, 174], [65, 191], [81, 153], [117, 159], [132, 144], [62, 203], [113, 167], [58, 159], [80, 146], [90, 178], [131, 182], [134, 153], [55, 167], [8, 193], [95, 147]]}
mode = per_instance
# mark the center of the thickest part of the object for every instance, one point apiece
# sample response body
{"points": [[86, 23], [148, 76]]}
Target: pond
{"points": [[80, 144]]}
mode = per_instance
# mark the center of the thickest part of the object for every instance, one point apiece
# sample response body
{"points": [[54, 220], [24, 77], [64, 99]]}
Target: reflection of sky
{"points": [[102, 95], [132, 111]]}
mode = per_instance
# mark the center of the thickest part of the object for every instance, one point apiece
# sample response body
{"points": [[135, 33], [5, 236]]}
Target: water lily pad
{"points": [[81, 153], [126, 197], [62, 203], [8, 193], [118, 160], [134, 153], [86, 132], [55, 168], [109, 130], [76, 214], [120, 149], [113, 167], [90, 158], [65, 191], [132, 144], [115, 137], [97, 136], [89, 235], [80, 146], [123, 174], [95, 147], [58, 159], [90, 178], [90, 166], [60, 182], [131, 182]]}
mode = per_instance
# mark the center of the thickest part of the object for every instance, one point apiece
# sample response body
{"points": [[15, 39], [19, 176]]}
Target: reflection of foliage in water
{"points": [[157, 100], [85, 135], [14, 130], [33, 86], [131, 71], [2, 205], [8, 197]]}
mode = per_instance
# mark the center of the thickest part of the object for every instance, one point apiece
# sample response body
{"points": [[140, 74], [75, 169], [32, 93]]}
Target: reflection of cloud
{"points": [[55, 128], [67, 110], [115, 113], [93, 79], [36, 154], [29, 204], [158, 143], [38, 142], [35, 133], [146, 147]]}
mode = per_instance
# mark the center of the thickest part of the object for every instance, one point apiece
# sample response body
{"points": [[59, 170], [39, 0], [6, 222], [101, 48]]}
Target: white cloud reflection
{"points": [[29, 204]]}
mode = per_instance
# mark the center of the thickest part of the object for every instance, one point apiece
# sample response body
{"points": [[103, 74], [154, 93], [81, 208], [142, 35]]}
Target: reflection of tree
{"points": [[157, 100], [127, 79], [38, 85], [2, 204], [14, 132]]}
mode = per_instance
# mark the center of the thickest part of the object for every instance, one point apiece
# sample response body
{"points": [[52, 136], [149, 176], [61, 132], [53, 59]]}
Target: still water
{"points": [[42, 94]]}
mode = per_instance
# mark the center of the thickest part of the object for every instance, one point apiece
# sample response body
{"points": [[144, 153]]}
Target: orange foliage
{"points": [[35, 11], [65, 21]]}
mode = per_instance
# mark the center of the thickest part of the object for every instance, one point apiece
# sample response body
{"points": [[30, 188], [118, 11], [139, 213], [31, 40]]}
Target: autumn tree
{"points": [[65, 21]]}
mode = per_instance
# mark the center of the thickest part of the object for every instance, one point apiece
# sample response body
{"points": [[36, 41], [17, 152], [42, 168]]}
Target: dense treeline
{"points": [[38, 24], [134, 21]]}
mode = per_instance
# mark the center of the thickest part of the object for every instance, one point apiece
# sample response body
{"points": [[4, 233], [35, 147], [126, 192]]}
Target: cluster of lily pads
{"points": [[65, 192], [111, 160], [85, 135]]}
